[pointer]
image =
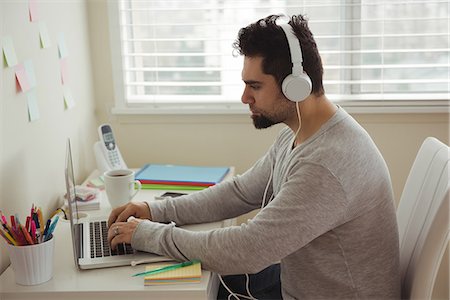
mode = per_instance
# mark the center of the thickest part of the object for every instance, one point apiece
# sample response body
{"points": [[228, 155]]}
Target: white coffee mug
{"points": [[120, 186]]}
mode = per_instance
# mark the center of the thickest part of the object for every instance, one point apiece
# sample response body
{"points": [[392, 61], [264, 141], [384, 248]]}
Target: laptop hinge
{"points": [[79, 237]]}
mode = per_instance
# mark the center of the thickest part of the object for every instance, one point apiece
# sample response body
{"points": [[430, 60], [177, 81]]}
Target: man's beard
{"points": [[262, 122]]}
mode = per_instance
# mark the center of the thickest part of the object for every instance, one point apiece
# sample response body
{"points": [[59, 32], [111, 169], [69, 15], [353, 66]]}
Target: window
{"points": [[176, 55]]}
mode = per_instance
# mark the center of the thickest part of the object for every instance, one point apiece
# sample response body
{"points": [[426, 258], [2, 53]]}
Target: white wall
{"points": [[32, 154]]}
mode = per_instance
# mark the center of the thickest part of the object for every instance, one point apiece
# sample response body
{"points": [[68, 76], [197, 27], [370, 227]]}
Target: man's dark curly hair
{"points": [[266, 39]]}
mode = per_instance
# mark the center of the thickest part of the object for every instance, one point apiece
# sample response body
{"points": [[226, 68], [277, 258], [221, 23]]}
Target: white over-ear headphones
{"points": [[297, 85]]}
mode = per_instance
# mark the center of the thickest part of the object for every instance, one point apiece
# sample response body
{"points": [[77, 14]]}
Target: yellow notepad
{"points": [[189, 274]]}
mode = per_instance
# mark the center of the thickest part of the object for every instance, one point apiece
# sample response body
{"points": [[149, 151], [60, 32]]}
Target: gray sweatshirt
{"points": [[329, 218]]}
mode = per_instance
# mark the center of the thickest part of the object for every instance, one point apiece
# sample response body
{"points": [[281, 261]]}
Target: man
{"points": [[328, 215]]}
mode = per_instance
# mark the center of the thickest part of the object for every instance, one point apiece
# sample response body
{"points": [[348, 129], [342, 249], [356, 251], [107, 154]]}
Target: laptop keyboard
{"points": [[99, 242]]}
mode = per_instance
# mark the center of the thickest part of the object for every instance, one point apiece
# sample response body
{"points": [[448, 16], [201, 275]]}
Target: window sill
{"points": [[385, 106]]}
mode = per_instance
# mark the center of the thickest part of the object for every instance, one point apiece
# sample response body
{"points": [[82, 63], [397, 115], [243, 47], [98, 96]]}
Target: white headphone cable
{"points": [[236, 295], [267, 187], [299, 123]]}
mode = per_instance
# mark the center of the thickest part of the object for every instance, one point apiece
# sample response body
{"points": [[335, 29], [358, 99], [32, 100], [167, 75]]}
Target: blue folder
{"points": [[181, 175]]}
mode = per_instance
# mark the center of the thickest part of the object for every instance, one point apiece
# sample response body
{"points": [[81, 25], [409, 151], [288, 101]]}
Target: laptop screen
{"points": [[72, 204]]}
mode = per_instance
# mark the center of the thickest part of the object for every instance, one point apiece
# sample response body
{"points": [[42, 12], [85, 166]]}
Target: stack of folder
{"points": [[188, 274], [177, 177]]}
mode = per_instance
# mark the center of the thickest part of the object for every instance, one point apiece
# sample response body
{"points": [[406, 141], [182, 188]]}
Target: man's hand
{"points": [[132, 209], [121, 232]]}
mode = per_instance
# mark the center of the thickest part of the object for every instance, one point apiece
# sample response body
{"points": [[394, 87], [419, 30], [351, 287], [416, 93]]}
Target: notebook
{"points": [[89, 235], [181, 175], [189, 274]]}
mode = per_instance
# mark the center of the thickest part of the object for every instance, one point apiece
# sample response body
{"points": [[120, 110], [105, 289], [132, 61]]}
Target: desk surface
{"points": [[110, 283]]}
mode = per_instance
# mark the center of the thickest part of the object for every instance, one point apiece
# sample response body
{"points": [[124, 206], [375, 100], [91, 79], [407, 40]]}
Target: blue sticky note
{"points": [[30, 72], [8, 51], [33, 109], [62, 46], [43, 34]]}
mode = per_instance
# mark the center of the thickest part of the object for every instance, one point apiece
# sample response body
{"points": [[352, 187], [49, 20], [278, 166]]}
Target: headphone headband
{"points": [[296, 86], [295, 49]]}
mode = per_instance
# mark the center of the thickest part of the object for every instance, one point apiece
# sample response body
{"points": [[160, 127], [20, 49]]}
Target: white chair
{"points": [[423, 219]]}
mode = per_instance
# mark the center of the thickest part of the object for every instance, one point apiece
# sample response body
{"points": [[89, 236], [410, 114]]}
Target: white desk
{"points": [[109, 283]]}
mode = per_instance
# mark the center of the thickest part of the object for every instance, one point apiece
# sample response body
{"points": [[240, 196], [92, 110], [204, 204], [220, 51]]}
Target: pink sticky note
{"points": [[22, 77], [63, 63], [33, 9]]}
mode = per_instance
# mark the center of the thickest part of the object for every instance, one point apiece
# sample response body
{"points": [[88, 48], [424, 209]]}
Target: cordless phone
{"points": [[106, 150]]}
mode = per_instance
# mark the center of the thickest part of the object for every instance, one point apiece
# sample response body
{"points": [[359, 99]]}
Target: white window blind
{"points": [[177, 54]]}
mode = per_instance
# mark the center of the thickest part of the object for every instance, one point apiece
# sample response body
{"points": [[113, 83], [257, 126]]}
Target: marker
{"points": [[6, 239], [27, 223], [26, 234], [9, 237], [21, 239], [51, 229], [3, 218], [46, 227], [11, 232], [168, 268], [13, 221], [17, 219], [33, 231], [41, 222]]}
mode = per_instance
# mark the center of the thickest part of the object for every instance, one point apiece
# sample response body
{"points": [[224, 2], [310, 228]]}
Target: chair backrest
{"points": [[423, 207]]}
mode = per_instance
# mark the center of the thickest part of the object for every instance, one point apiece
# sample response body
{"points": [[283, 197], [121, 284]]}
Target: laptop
{"points": [[89, 235]]}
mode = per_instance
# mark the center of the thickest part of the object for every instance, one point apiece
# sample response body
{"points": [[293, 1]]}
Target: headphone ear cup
{"points": [[296, 88]]}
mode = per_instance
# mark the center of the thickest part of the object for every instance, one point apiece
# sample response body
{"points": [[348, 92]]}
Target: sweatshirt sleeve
{"points": [[308, 204], [228, 199]]}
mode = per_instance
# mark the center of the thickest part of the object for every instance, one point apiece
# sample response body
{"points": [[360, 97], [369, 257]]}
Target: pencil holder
{"points": [[32, 264]]}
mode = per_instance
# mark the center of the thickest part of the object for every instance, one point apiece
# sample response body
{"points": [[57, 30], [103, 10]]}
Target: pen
{"points": [[51, 229], [168, 268]]}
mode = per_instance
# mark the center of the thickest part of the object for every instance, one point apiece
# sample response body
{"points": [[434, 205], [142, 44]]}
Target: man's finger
{"points": [[125, 214], [114, 214]]}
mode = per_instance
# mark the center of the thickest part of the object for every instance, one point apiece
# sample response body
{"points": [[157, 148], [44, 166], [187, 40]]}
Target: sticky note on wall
{"points": [[9, 52], [22, 77], [33, 110], [28, 64], [33, 10], [43, 34], [68, 99], [63, 64], [62, 46]]}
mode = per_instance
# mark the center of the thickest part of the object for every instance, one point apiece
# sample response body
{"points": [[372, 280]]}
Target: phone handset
{"points": [[106, 151]]}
